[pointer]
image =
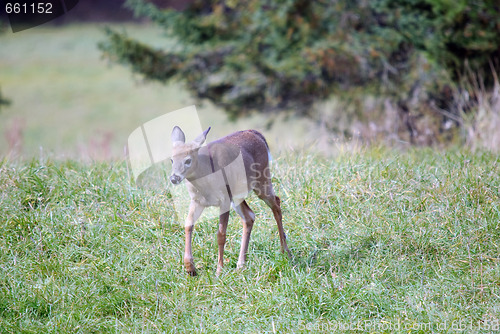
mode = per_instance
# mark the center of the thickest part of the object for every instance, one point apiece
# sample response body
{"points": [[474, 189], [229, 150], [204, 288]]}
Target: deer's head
{"points": [[184, 155]]}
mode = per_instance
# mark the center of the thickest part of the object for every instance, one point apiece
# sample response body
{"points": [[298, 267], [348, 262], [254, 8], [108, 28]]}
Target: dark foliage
{"points": [[3, 101], [265, 56], [454, 34], [255, 55]]}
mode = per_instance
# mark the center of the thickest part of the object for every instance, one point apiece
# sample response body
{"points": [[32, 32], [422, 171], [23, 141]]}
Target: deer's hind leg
{"points": [[248, 218], [266, 193]]}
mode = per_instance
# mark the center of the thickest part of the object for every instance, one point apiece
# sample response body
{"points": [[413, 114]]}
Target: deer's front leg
{"points": [[195, 211], [221, 239], [248, 217]]}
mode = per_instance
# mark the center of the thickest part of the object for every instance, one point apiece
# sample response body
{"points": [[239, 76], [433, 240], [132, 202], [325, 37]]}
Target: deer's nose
{"points": [[175, 179]]}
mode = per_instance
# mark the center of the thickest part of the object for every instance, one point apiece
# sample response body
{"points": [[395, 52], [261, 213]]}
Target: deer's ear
{"points": [[198, 141], [178, 135]]}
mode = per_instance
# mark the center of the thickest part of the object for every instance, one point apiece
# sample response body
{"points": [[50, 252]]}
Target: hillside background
{"points": [[373, 80]]}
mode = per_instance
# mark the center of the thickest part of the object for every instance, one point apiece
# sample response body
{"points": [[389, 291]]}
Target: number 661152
{"points": [[24, 8]]}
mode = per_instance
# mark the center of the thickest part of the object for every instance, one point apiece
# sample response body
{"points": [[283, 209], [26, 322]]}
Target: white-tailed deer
{"points": [[222, 174]]}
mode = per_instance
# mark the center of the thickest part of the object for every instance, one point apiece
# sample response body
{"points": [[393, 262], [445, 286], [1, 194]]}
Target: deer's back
{"points": [[250, 143], [240, 154]]}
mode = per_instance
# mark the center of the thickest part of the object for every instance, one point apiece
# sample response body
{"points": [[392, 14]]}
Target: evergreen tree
{"points": [[454, 34], [263, 55]]}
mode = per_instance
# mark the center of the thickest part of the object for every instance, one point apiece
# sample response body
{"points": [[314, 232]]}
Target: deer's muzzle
{"points": [[176, 179]]}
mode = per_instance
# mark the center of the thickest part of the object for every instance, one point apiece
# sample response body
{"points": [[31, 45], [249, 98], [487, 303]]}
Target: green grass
{"points": [[379, 239]]}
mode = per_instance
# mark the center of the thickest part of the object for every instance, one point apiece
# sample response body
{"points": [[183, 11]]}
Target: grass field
{"points": [[382, 242]]}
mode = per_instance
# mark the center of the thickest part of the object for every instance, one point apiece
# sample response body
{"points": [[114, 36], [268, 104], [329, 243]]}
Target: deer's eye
{"points": [[171, 160], [187, 162]]}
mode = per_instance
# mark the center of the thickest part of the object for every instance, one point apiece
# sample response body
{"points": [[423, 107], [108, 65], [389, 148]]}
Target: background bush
{"points": [[415, 57]]}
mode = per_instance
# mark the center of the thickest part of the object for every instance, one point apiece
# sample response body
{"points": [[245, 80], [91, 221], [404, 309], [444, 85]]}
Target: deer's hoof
{"points": [[219, 271], [190, 269], [240, 266]]}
